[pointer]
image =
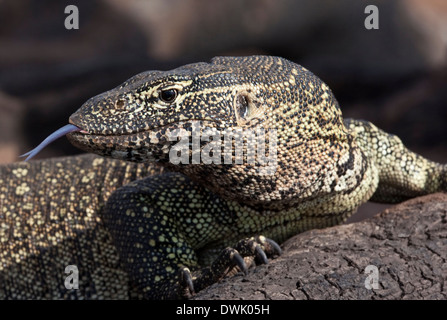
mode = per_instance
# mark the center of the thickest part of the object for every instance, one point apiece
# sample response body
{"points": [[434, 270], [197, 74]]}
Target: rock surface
{"points": [[407, 243]]}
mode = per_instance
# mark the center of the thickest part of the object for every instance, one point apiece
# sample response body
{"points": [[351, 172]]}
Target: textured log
{"points": [[407, 243]]}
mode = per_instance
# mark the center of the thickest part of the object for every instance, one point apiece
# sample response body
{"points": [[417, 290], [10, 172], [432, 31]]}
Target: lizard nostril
{"points": [[119, 104]]}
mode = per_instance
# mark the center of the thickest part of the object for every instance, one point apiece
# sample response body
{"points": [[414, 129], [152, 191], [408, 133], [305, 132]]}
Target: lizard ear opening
{"points": [[246, 107], [242, 106]]}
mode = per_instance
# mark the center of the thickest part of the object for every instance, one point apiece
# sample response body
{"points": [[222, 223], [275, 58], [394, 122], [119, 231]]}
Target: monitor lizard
{"points": [[155, 228]]}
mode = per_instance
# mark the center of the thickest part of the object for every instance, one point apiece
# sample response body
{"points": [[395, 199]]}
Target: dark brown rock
{"points": [[407, 243]]}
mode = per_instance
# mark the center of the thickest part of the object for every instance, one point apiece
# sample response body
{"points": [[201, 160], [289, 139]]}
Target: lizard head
{"points": [[141, 119], [134, 120]]}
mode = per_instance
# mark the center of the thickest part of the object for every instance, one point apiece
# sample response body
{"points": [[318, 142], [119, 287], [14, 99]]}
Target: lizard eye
{"points": [[168, 95]]}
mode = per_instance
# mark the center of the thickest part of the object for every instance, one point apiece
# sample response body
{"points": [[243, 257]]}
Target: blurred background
{"points": [[395, 77]]}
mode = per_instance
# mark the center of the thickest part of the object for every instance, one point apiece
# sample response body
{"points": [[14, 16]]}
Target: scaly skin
{"points": [[173, 231], [50, 218]]}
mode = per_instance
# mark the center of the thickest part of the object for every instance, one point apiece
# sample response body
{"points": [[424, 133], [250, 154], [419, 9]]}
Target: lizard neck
{"points": [[299, 177]]}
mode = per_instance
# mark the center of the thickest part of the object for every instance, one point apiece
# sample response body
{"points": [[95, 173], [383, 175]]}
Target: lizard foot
{"points": [[230, 261]]}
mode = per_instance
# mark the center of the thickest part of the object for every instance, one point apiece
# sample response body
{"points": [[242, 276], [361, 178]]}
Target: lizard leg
{"points": [[162, 224], [152, 242], [231, 260]]}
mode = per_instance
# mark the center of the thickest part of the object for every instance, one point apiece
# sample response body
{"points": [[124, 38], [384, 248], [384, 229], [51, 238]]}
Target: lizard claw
{"points": [[260, 255], [274, 246], [186, 282], [228, 262], [239, 261], [259, 247]]}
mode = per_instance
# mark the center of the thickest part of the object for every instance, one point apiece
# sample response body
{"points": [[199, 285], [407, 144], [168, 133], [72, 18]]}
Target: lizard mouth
{"points": [[152, 145], [79, 137], [141, 130]]}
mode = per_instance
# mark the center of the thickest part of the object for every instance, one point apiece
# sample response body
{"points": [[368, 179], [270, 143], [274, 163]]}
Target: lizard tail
{"points": [[403, 174]]}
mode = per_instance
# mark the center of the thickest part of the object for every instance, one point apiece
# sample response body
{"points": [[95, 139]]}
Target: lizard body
{"points": [[49, 220], [177, 232]]}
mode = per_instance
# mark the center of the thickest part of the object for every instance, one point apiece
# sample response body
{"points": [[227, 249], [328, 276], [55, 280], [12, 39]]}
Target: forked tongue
{"points": [[52, 137]]}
